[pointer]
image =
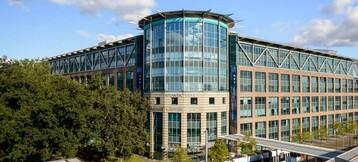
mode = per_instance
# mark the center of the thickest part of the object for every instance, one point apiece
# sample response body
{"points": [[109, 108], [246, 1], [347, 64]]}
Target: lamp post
{"points": [[206, 145]]}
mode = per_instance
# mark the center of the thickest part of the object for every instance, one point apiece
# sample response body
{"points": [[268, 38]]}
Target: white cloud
{"points": [[129, 10], [110, 38], [18, 3], [341, 31], [338, 6]]}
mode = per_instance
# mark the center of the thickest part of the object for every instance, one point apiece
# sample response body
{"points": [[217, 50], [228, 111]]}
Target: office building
{"points": [[201, 78]]}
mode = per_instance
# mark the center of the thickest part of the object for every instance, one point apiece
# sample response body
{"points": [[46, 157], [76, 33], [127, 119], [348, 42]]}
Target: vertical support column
{"points": [[267, 131], [151, 126], [279, 129], [290, 123], [218, 129], [184, 129], [165, 130], [203, 128]]}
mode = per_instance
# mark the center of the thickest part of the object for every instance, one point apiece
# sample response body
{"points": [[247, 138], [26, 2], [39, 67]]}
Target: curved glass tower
{"points": [[186, 51], [186, 77]]}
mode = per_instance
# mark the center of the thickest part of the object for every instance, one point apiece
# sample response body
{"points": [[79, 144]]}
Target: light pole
{"points": [[206, 145]]}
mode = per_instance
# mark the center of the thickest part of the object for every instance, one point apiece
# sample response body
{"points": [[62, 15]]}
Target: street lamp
{"points": [[206, 144]]}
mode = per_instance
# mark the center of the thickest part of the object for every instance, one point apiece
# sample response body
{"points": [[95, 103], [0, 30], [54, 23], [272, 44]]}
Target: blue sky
{"points": [[44, 28]]}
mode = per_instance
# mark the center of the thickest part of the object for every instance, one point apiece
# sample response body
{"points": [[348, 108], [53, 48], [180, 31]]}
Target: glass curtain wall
{"points": [[186, 54]]}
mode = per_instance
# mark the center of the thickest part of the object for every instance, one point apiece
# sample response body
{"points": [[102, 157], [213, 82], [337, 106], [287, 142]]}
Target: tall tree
{"points": [[181, 155], [219, 153]]}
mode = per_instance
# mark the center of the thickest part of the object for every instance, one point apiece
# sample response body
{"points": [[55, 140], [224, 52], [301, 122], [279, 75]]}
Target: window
{"points": [[111, 79], [246, 128], [273, 82], [285, 105], [260, 82], [323, 85], [314, 84], [273, 106], [305, 104], [344, 85], [344, 102], [305, 84], [322, 104], [193, 124], [315, 104], [260, 129], [306, 124], [157, 101], [223, 123], [211, 100], [130, 80], [211, 124], [273, 129], [350, 86], [337, 85], [295, 105], [246, 107], [295, 83], [338, 103], [194, 101], [330, 85], [314, 123], [285, 83], [260, 106], [330, 103], [158, 130], [285, 130], [245, 81], [175, 101], [119, 81], [224, 100], [174, 129]]}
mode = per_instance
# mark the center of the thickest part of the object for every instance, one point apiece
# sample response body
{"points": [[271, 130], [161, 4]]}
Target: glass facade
{"points": [[273, 106], [285, 83], [260, 106], [273, 129], [245, 81], [223, 123], [158, 131], [174, 129], [285, 130], [273, 82], [246, 107], [194, 122], [186, 54], [212, 124], [260, 82], [260, 129]]}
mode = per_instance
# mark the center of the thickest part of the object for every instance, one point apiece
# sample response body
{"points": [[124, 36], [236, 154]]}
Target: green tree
{"points": [[300, 136], [350, 128], [248, 144], [181, 155], [339, 131], [117, 121], [321, 133], [219, 152], [43, 115]]}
